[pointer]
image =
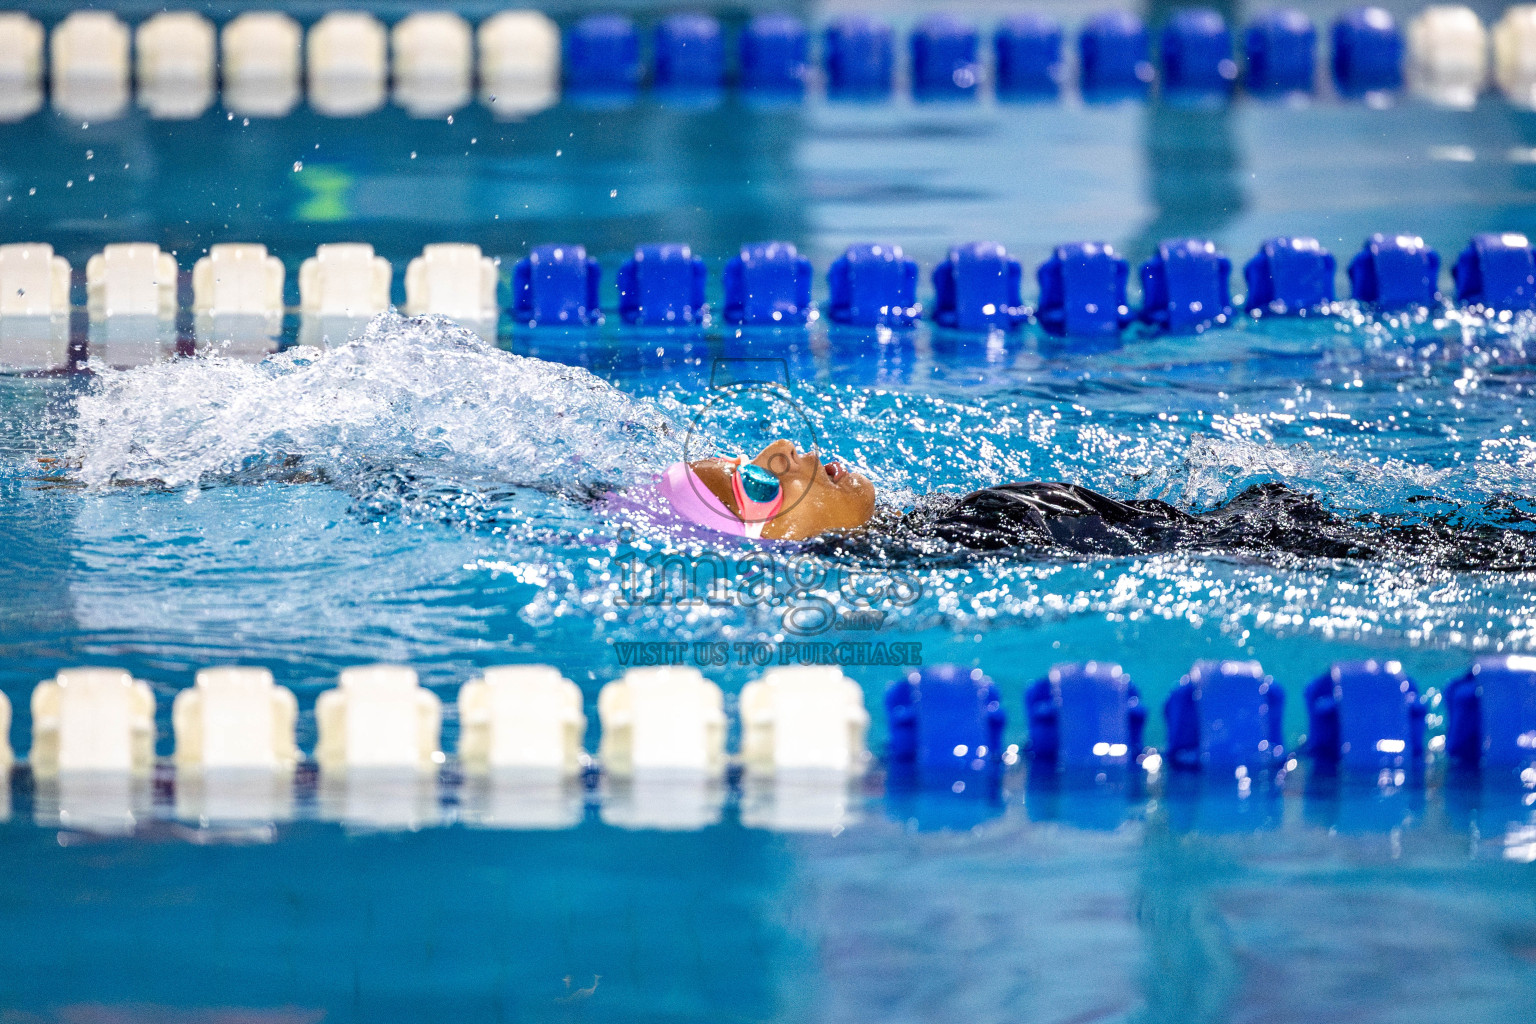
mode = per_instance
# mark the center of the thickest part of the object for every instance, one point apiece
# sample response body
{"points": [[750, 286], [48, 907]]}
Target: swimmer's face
{"points": [[817, 497]]}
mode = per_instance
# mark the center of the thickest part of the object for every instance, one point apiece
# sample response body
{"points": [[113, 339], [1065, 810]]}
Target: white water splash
{"points": [[1213, 469], [420, 393]]}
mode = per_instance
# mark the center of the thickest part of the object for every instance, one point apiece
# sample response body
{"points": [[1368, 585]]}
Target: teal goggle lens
{"points": [[758, 484]]}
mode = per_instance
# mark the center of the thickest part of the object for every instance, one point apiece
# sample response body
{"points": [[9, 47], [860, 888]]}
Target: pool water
{"points": [[421, 495], [1016, 919]]}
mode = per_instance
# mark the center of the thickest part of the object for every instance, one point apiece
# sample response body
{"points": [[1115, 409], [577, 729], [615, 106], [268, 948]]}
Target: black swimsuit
{"points": [[1058, 515], [1267, 520]]}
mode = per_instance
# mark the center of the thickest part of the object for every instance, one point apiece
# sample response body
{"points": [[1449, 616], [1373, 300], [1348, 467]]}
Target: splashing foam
{"points": [[1214, 469], [420, 395]]}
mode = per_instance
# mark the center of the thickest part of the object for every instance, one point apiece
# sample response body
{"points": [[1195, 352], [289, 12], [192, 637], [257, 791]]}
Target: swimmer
{"points": [[785, 494]]}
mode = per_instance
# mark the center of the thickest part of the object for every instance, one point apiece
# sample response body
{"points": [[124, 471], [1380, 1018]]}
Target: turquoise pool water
{"points": [[421, 496]]}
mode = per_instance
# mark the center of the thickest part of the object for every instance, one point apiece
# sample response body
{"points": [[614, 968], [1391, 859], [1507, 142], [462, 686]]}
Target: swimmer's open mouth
{"points": [[835, 471]]}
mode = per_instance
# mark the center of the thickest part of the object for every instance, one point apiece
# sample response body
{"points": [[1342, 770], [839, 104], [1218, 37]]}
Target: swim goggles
{"points": [[758, 494]]}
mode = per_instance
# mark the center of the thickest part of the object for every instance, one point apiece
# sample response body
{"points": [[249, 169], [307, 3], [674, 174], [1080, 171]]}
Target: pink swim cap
{"points": [[689, 498]]}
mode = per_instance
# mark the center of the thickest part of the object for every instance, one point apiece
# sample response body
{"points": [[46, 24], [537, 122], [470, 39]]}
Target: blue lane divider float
{"points": [[774, 53], [1225, 714], [690, 53], [860, 58], [944, 60], [979, 288], [1289, 276], [662, 285], [873, 286], [768, 284], [1197, 53], [1491, 713], [1186, 286], [945, 721], [1367, 52], [556, 284], [602, 54], [1085, 715], [1395, 272], [1027, 57], [1366, 715], [1281, 51], [1082, 291], [1497, 271], [1114, 57]]}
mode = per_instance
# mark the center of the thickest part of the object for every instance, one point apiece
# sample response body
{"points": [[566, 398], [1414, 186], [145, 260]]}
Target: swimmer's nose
{"points": [[780, 457]]}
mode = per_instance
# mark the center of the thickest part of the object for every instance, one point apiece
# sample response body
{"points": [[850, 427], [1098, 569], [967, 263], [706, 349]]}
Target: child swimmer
{"points": [[785, 494]]}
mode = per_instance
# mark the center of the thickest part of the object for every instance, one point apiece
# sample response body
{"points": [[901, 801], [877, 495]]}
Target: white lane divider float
{"points": [[433, 62], [519, 62], [520, 745], [92, 720], [804, 732], [132, 279], [1514, 54], [238, 279], [803, 719], [7, 755], [668, 718], [235, 748], [521, 717], [344, 279], [341, 287], [131, 298], [34, 307], [379, 748], [348, 64], [663, 745], [453, 280], [261, 64], [88, 54], [237, 299], [33, 281], [93, 735], [378, 716], [1448, 56], [21, 65], [235, 718], [176, 65]]}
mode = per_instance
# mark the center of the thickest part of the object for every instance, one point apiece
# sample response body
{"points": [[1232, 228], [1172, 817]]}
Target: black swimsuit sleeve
{"points": [[1058, 516]]}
